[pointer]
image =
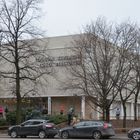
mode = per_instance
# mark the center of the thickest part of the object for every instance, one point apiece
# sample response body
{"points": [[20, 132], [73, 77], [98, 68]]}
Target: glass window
{"points": [[80, 124], [97, 124], [88, 123], [27, 123], [36, 122]]}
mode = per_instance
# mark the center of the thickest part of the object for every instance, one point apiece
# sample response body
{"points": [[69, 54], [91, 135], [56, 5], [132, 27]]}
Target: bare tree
{"points": [[136, 73], [126, 41], [105, 71], [100, 69], [19, 55]]}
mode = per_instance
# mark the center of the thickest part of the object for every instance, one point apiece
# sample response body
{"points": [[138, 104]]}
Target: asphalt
{"points": [[121, 136]]}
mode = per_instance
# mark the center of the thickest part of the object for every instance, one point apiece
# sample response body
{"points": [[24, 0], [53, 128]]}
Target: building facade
{"points": [[52, 95]]}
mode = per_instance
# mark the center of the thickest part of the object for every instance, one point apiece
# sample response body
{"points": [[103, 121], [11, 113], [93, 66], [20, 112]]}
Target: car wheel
{"points": [[136, 135], [97, 135], [42, 134], [65, 135], [13, 134]]}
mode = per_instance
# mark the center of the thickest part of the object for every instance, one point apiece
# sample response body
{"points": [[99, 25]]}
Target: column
{"points": [[49, 105], [98, 113], [83, 107], [132, 111]]}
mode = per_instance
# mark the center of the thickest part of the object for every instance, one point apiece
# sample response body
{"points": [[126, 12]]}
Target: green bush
{"points": [[3, 122], [58, 118], [11, 117], [31, 114]]}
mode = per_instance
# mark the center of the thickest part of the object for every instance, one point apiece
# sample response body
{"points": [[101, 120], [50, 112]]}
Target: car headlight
{"points": [[130, 131], [10, 128]]}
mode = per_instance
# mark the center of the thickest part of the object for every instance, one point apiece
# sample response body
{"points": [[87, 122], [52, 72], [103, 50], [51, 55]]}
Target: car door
{"points": [[78, 130], [30, 128], [96, 126], [34, 128], [24, 128], [85, 130]]}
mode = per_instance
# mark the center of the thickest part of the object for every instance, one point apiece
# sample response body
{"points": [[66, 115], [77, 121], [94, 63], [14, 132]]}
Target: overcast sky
{"points": [[63, 17]]}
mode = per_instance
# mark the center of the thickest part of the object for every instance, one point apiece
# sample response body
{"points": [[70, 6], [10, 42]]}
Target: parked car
{"points": [[92, 129], [33, 127], [134, 133]]}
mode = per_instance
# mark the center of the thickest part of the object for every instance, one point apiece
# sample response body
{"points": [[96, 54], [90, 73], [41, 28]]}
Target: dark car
{"points": [[92, 129], [134, 134], [33, 127]]}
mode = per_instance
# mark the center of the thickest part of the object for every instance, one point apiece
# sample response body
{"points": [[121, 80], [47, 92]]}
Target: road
{"points": [[6, 137]]}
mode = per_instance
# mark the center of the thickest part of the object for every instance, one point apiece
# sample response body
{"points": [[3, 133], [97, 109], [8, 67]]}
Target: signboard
{"points": [[1, 110], [59, 61]]}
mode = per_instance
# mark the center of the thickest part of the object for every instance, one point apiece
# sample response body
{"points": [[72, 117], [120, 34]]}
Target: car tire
{"points": [[42, 134], [97, 135], [136, 135], [65, 135], [13, 134]]}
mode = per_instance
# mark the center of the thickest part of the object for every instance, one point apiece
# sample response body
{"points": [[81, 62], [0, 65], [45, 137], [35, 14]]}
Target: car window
{"points": [[27, 123], [89, 123], [36, 122], [47, 121], [97, 124], [80, 124]]}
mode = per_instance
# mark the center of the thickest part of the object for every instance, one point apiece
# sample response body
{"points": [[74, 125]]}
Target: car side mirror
{"points": [[74, 126], [22, 124]]}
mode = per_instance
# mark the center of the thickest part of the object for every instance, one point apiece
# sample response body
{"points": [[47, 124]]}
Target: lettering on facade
{"points": [[58, 61]]}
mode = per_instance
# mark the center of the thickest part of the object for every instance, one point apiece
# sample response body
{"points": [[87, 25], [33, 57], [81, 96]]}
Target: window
{"points": [[88, 123], [97, 124], [27, 123], [80, 124], [36, 122]]}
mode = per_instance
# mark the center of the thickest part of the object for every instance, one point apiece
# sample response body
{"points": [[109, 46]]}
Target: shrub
{"points": [[58, 118], [3, 122], [11, 117]]}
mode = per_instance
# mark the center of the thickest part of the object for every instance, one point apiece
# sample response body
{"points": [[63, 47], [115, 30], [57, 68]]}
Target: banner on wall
{"points": [[1, 110]]}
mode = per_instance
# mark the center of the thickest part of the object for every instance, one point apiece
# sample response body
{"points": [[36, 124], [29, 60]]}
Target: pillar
{"points": [[132, 111], [83, 107], [49, 105]]}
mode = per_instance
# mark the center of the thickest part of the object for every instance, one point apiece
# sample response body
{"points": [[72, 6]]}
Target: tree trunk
{"points": [[124, 117], [107, 114], [135, 108], [18, 111], [103, 118], [18, 107]]}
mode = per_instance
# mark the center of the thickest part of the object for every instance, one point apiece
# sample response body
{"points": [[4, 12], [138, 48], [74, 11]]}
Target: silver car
{"points": [[92, 129], [134, 133]]}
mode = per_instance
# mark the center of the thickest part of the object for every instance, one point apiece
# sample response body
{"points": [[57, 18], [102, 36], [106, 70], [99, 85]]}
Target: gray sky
{"points": [[63, 17]]}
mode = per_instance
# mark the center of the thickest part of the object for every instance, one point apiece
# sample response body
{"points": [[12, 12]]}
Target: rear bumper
{"points": [[52, 132], [108, 133]]}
